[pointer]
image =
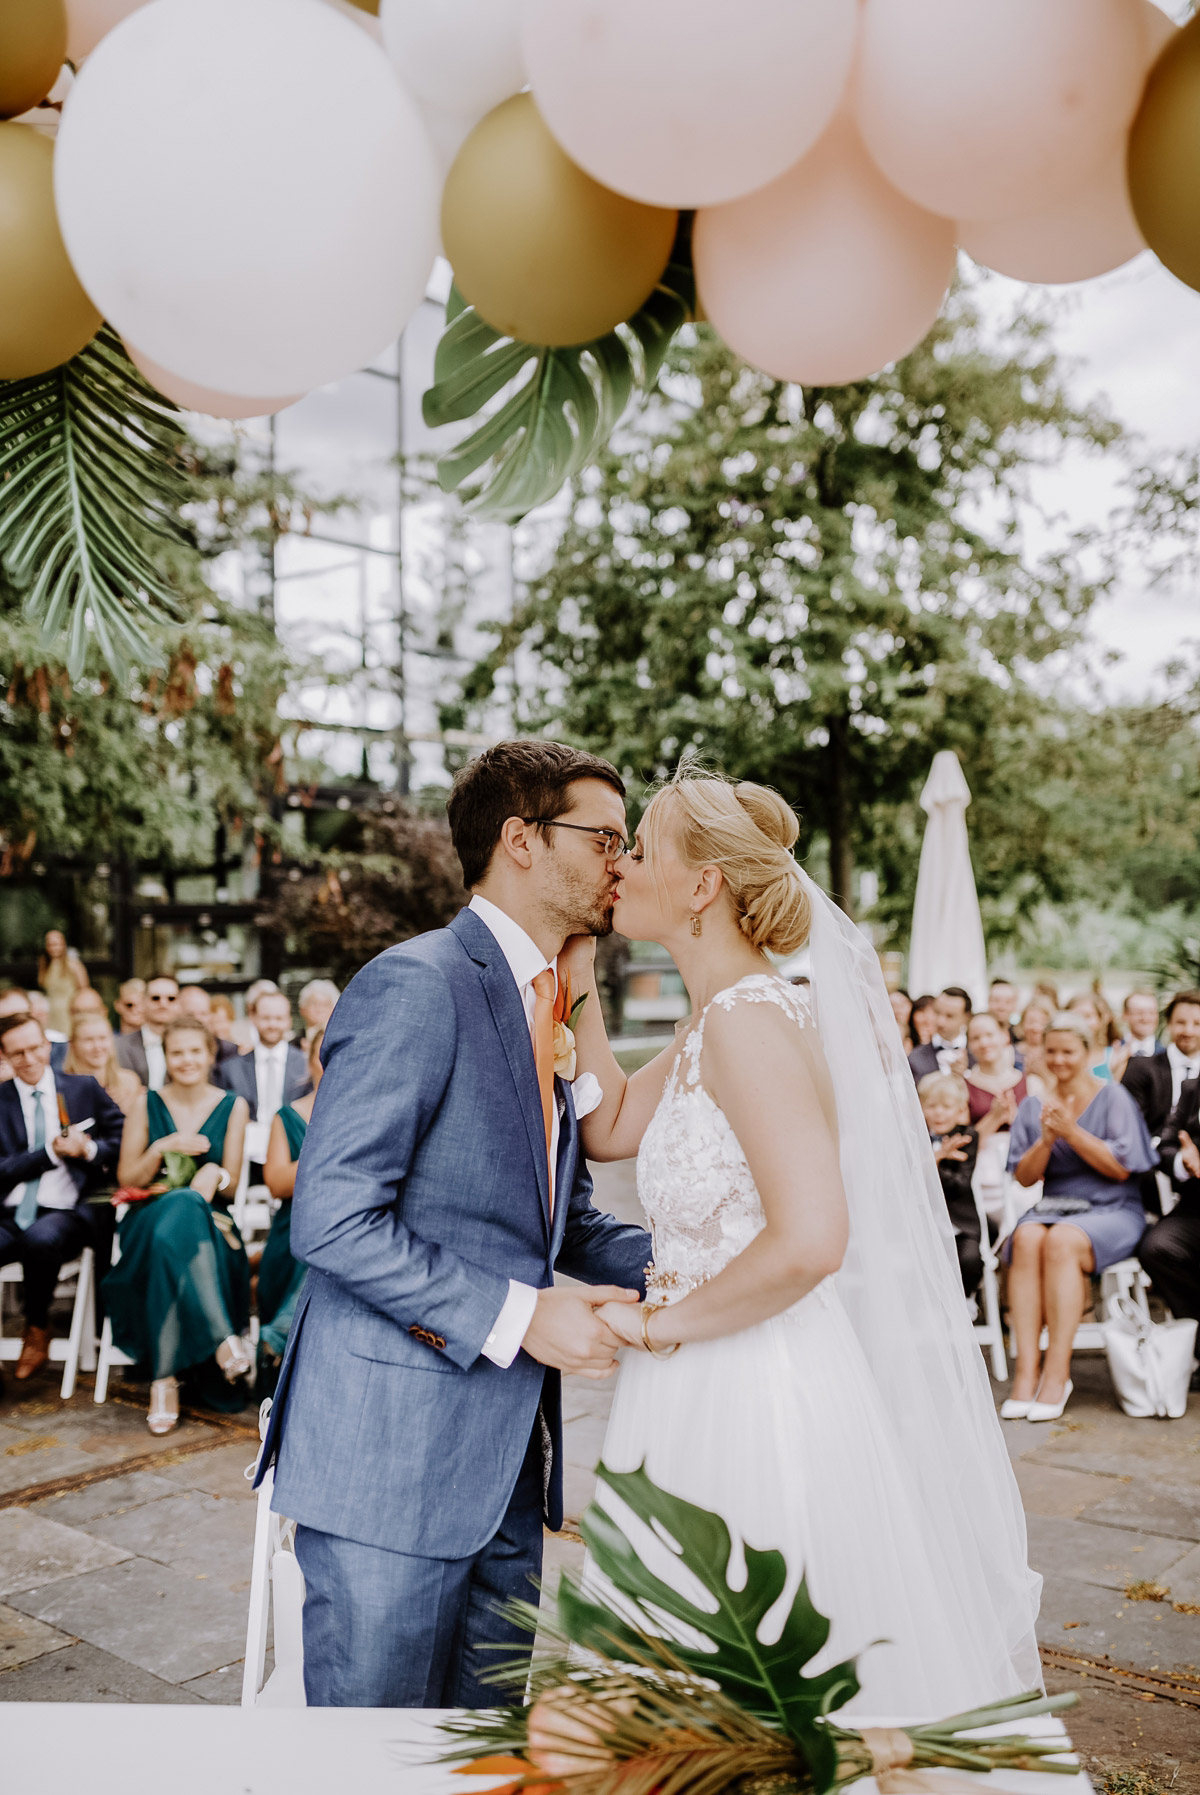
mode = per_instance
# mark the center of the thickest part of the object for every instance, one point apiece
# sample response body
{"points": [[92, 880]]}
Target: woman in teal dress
{"points": [[179, 1295], [279, 1275]]}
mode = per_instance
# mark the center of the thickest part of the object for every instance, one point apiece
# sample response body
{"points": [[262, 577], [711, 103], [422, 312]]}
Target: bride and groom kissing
{"points": [[794, 1351]]}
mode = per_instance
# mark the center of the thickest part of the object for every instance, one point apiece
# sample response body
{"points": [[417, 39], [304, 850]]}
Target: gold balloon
{"points": [[1164, 157], [33, 48], [45, 315], [543, 252]]}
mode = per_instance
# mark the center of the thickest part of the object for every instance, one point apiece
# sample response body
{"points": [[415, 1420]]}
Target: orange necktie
{"points": [[543, 1055]]}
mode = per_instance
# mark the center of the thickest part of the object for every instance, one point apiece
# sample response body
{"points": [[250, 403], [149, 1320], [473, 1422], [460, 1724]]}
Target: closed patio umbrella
{"points": [[947, 945]]}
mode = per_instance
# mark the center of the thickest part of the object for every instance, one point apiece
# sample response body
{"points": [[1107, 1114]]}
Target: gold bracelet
{"points": [[656, 1352]]}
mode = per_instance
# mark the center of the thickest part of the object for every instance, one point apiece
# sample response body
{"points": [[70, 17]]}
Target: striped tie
{"points": [[28, 1207]]}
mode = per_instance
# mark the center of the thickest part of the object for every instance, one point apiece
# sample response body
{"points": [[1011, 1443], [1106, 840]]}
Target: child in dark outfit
{"points": [[945, 1103]]}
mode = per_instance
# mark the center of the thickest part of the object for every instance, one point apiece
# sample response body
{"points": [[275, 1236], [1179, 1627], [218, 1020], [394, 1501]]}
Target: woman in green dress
{"points": [[179, 1296], [279, 1275]]}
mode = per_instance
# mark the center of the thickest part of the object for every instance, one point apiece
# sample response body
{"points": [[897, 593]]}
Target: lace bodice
{"points": [[693, 1179]]}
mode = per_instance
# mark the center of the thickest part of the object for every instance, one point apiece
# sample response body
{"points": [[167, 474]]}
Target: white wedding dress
{"points": [[784, 1430]]}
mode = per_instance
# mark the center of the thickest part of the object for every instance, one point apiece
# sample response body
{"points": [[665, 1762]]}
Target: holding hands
{"points": [[570, 1332]]}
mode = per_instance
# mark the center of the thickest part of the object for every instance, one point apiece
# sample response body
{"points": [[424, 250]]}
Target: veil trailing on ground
{"points": [[901, 1288]]}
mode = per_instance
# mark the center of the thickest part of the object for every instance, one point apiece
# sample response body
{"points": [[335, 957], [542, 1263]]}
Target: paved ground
{"points": [[125, 1560]]}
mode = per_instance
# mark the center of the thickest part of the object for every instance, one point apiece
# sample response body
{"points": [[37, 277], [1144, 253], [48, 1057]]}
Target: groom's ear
{"points": [[516, 841]]}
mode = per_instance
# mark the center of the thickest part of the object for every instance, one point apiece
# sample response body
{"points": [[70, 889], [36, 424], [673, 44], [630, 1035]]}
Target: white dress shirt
{"points": [[525, 960], [1144, 1048], [270, 1072], [948, 1051], [1181, 1070], [57, 1188], [156, 1059]]}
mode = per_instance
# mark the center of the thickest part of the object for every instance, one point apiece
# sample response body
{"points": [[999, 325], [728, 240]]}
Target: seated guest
{"points": [[39, 1009], [276, 1072], [316, 1005], [1139, 1024], [944, 1105], [995, 1086], [921, 1021], [1085, 1004], [87, 1002], [1031, 1033], [902, 1009], [947, 1050], [179, 1296], [1170, 1250], [143, 1053], [130, 1005], [18, 1002], [1084, 1142], [1002, 1004], [92, 1053], [1155, 1080], [49, 1166], [193, 1001], [279, 1275]]}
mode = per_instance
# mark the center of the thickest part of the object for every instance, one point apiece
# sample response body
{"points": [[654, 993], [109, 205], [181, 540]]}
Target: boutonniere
{"points": [[565, 1013]]}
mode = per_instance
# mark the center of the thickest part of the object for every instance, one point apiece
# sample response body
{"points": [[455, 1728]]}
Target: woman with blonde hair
{"points": [[93, 1050], [61, 973], [803, 1362]]}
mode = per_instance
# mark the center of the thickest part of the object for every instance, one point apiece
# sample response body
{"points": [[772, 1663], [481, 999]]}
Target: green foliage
{"points": [[563, 414], [92, 475], [767, 1680], [818, 587]]}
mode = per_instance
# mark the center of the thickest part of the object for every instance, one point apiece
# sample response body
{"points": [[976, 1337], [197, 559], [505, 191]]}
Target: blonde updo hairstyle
{"points": [[748, 833]]}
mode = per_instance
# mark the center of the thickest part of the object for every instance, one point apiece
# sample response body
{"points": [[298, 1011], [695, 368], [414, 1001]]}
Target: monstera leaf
{"points": [[767, 1680], [562, 414], [89, 477]]}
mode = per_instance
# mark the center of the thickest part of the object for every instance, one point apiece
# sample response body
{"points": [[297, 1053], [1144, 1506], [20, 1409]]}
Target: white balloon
{"points": [[463, 56], [448, 131], [688, 102], [247, 192]]}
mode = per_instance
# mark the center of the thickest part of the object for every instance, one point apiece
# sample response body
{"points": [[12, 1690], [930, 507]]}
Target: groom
{"points": [[417, 1424]]}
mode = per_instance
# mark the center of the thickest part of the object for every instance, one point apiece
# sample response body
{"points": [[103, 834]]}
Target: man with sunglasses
{"points": [[418, 1417], [143, 1052]]}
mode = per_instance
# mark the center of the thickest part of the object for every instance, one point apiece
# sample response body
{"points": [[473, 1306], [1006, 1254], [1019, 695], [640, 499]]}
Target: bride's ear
{"points": [[708, 887]]}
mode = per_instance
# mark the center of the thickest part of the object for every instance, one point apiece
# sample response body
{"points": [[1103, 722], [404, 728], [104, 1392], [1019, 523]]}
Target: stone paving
{"points": [[125, 1560]]}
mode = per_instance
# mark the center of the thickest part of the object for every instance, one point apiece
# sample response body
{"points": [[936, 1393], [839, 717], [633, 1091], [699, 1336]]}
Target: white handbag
{"points": [[1150, 1362]]}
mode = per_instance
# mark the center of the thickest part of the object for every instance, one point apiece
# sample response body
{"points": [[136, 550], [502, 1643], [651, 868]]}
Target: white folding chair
{"points": [[252, 1204], [77, 1351], [990, 1331], [276, 1595], [109, 1355]]}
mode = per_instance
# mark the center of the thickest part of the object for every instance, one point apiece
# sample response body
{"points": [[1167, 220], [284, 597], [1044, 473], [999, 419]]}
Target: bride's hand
{"points": [[625, 1321], [577, 959]]}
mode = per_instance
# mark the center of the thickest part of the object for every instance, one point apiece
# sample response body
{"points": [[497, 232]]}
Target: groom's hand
{"points": [[567, 1333]]}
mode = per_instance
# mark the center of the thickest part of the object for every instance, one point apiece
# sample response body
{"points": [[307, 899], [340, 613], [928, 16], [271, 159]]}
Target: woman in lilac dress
{"points": [[1082, 1142]]}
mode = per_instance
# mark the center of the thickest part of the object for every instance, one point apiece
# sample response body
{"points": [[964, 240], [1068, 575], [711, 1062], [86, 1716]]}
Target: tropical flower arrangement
{"points": [[644, 1691]]}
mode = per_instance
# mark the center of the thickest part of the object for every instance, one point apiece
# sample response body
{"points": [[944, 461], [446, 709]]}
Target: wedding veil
{"points": [[901, 1288]]}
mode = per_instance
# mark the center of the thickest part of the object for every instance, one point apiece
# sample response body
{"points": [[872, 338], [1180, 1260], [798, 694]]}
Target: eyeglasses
{"points": [[23, 1053], [611, 842]]}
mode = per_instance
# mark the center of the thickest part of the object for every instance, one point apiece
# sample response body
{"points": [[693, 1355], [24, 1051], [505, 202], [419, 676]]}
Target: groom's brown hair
{"points": [[527, 779]]}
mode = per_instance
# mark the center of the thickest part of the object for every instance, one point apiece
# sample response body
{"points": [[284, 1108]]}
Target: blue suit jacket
{"points": [[83, 1097], [422, 1189], [236, 1072]]}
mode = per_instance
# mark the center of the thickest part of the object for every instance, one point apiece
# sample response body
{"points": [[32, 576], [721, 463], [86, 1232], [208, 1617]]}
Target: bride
{"points": [[803, 1362]]}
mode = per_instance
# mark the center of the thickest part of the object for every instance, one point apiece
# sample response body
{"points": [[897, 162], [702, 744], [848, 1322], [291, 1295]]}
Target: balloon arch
{"points": [[252, 193]]}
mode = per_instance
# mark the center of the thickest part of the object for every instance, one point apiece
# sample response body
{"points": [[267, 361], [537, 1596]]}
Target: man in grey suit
{"points": [[276, 1072], [417, 1425]]}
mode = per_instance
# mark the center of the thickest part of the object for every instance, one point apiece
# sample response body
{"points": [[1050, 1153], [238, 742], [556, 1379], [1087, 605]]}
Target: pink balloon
{"points": [[688, 102], [90, 20], [827, 274], [191, 397], [987, 110], [1091, 232]]}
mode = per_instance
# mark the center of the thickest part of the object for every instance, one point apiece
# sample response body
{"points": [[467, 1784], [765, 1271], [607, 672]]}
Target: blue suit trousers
{"points": [[391, 1630]]}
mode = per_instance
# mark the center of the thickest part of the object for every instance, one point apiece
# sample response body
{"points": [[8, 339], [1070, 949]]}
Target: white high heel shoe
{"points": [[234, 1357], [164, 1405], [1013, 1409], [1050, 1411]]}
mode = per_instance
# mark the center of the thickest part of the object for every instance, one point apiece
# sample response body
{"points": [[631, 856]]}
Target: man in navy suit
{"points": [[48, 1167], [418, 1419]]}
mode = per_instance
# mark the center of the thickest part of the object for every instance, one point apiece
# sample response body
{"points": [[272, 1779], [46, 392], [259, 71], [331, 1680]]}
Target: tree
{"points": [[816, 587], [395, 875]]}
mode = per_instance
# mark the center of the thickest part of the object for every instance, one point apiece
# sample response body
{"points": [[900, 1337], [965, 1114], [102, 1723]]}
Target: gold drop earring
{"points": [[695, 919]]}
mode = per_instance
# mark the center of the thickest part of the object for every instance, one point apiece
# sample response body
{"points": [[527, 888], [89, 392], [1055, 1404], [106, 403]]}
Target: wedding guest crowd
{"points": [[149, 1125]]}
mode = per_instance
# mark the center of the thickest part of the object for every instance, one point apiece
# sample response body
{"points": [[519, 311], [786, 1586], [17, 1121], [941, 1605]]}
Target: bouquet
{"points": [[178, 1170], [621, 1706]]}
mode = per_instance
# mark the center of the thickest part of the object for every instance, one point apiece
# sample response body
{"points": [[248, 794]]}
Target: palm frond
{"points": [[90, 475], [558, 420]]}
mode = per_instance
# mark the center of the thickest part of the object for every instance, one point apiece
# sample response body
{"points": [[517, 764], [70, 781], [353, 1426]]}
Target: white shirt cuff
{"points": [[52, 1156], [1179, 1170], [511, 1325], [92, 1151]]}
